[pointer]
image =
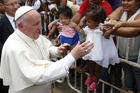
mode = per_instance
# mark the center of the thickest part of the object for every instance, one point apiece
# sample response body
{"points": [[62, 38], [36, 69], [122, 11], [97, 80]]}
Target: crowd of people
{"points": [[88, 31]]}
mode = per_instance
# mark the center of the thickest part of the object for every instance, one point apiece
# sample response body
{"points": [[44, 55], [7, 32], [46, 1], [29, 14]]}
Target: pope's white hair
{"points": [[22, 20]]}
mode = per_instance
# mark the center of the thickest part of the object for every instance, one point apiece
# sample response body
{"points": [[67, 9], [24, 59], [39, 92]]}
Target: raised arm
{"points": [[52, 31], [127, 31], [116, 14], [77, 28], [76, 18]]}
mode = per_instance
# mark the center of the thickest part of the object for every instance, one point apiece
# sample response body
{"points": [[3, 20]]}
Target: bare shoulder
{"points": [[116, 14]]}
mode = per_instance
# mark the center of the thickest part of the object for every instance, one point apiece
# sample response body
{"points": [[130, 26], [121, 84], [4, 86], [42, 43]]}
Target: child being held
{"points": [[68, 33], [104, 51]]}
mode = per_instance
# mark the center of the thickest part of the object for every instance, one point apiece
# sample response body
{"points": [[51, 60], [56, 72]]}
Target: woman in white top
{"points": [[128, 15]]}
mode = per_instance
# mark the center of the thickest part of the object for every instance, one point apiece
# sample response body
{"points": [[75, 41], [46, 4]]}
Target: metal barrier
{"points": [[80, 89]]}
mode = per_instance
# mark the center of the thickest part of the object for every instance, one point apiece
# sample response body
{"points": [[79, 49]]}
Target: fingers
{"points": [[109, 24], [85, 43], [65, 44], [87, 46]]}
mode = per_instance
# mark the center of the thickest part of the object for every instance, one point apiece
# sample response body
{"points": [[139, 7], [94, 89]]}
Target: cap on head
{"points": [[21, 11]]}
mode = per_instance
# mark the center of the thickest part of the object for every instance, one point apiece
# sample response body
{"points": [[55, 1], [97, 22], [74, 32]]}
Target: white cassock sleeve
{"points": [[52, 72]]}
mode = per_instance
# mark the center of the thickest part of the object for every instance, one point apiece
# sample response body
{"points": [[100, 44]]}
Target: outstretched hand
{"points": [[82, 49], [110, 28]]}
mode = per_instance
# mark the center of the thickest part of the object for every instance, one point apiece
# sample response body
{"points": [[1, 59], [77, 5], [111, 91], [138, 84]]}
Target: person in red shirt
{"points": [[89, 3]]}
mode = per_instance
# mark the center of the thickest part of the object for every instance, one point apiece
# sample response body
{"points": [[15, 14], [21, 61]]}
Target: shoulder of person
{"points": [[120, 9], [116, 13], [137, 17]]}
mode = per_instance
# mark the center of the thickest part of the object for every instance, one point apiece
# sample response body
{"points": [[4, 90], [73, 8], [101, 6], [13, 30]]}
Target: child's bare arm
{"points": [[81, 24], [52, 31], [51, 24], [78, 29]]}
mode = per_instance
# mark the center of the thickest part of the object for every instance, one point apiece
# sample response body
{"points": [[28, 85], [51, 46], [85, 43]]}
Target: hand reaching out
{"points": [[82, 49], [110, 28]]}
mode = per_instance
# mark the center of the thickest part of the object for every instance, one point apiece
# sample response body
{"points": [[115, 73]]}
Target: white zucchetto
{"points": [[21, 11]]}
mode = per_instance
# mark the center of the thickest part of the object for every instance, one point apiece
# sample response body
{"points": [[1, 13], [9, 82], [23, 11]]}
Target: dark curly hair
{"points": [[96, 13], [64, 10]]}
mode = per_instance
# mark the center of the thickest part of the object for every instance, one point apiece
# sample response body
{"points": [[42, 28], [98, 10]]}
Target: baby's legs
{"points": [[95, 69], [97, 72], [91, 77], [91, 68]]}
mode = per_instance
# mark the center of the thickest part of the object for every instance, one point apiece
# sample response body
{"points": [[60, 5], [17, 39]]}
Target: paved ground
{"points": [[63, 88]]}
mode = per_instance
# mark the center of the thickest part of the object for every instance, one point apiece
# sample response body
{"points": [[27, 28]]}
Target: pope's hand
{"points": [[82, 49]]}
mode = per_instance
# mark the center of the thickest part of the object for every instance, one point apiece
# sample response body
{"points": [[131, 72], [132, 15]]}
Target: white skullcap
{"points": [[21, 11]]}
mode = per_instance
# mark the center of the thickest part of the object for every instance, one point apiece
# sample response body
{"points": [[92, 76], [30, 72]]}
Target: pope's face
{"points": [[32, 25]]}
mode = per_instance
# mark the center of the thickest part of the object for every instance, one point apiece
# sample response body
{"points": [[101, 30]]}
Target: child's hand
{"points": [[107, 30], [82, 32], [63, 49], [57, 42], [49, 37]]}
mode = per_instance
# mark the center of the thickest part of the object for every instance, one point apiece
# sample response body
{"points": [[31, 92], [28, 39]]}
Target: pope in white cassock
{"points": [[25, 63]]}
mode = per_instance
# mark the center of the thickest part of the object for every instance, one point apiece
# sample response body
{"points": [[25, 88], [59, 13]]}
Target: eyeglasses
{"points": [[14, 3]]}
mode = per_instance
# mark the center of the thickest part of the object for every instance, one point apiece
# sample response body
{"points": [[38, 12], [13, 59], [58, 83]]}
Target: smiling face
{"points": [[130, 5], [32, 24]]}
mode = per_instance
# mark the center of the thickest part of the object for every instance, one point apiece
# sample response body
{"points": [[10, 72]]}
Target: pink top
{"points": [[66, 30]]}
